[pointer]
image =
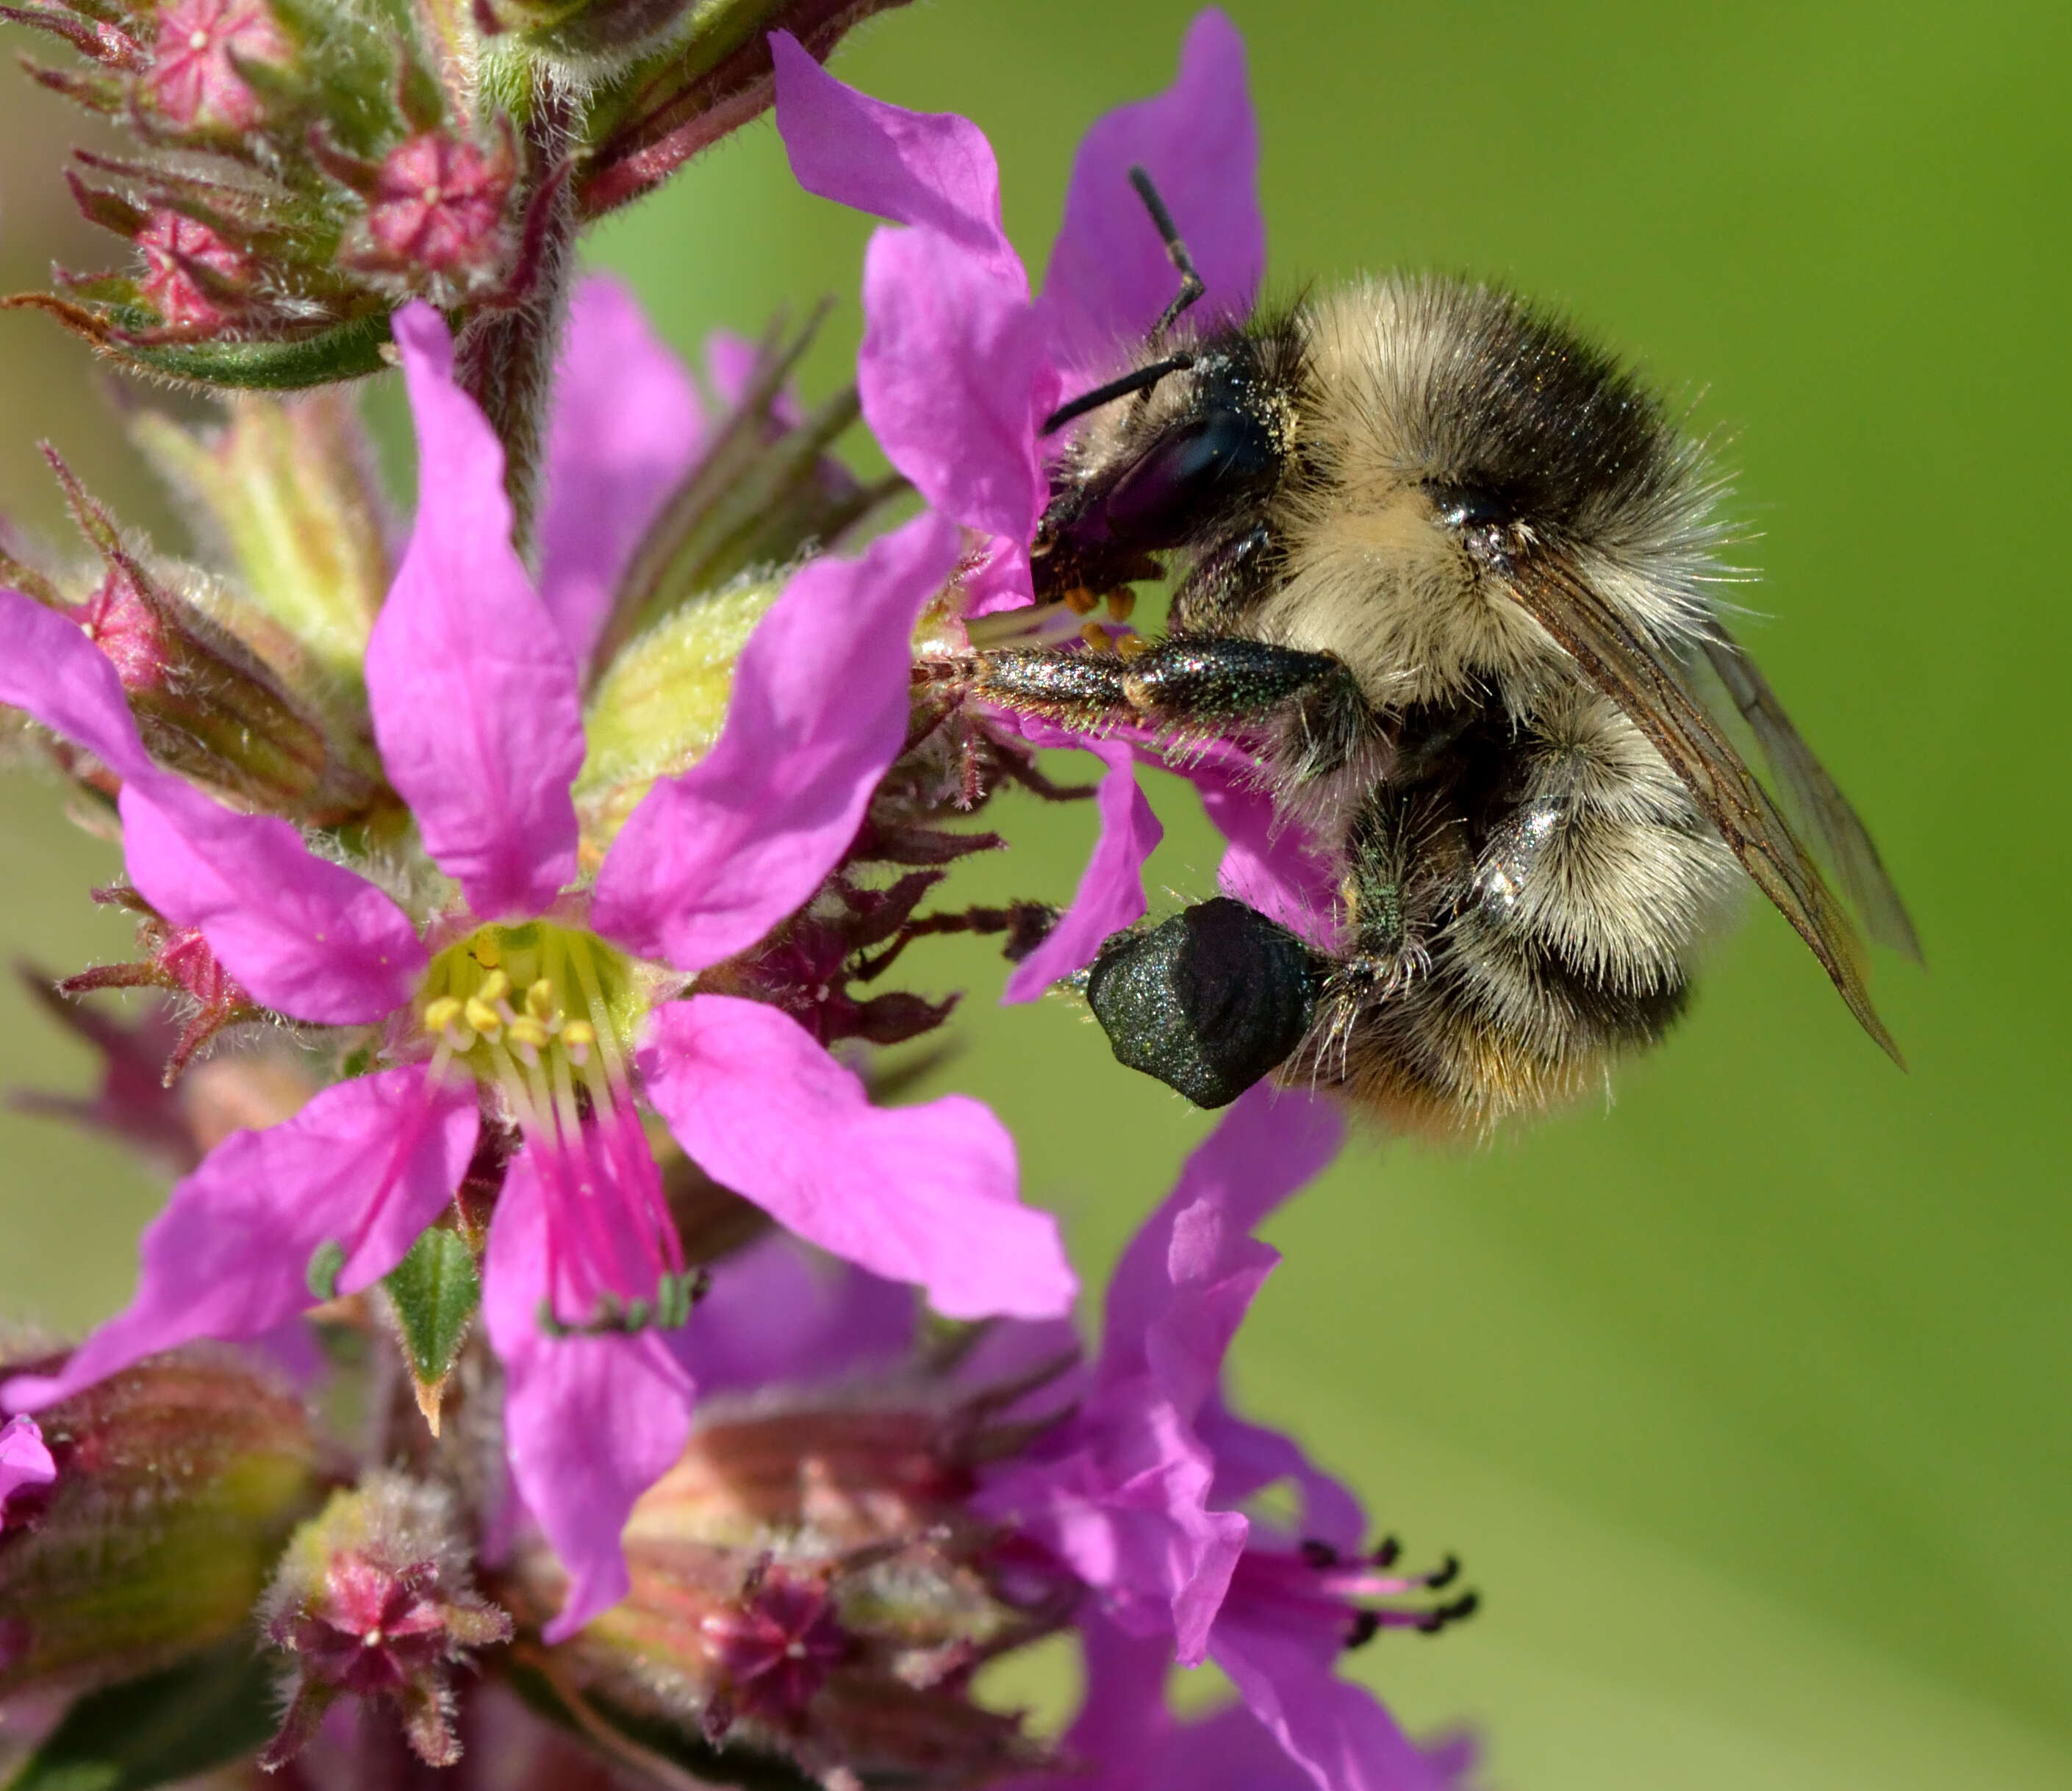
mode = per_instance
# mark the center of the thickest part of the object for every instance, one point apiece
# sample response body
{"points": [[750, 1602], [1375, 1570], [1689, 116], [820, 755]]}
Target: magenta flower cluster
{"points": [[504, 999], [472, 677]]}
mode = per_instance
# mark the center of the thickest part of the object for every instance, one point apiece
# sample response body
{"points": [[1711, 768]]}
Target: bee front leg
{"points": [[1077, 690], [1197, 685], [1218, 684]]}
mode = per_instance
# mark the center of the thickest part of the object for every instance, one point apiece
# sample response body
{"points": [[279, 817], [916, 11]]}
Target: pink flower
{"points": [[959, 365], [1139, 1491], [437, 204], [1127, 1508], [524, 993], [26, 1465], [193, 76], [181, 257]]}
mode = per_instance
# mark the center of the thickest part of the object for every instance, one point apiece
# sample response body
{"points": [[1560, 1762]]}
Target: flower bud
{"points": [[373, 1599], [287, 489], [662, 702], [174, 1486], [196, 81], [690, 73], [807, 1584], [219, 692]]}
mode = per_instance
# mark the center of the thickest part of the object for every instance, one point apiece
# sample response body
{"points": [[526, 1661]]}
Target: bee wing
{"points": [[1813, 796], [1637, 676]]}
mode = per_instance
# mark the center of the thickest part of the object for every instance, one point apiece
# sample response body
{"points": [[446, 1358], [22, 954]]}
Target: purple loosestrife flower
{"points": [[1111, 1498], [1141, 1490], [513, 987], [959, 365], [26, 1465]]}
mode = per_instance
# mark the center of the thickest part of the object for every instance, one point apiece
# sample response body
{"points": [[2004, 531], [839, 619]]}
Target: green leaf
{"points": [[434, 1291], [203, 1713], [346, 351]]}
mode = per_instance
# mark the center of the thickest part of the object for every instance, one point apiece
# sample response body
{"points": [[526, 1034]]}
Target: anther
{"points": [[1122, 602], [1449, 1570], [1318, 1555], [495, 986], [1095, 637], [1366, 1626], [578, 1037], [482, 1017], [441, 1013], [1387, 1552], [527, 1031], [1131, 646], [198, 41], [1462, 1607], [539, 1001], [1080, 601]]}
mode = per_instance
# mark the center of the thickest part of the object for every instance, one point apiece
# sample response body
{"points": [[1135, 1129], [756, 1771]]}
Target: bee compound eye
{"points": [[1208, 1002], [1161, 500]]}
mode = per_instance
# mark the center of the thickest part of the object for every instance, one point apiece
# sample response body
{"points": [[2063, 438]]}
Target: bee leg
{"points": [[1209, 1002], [1081, 690], [1215, 683]]}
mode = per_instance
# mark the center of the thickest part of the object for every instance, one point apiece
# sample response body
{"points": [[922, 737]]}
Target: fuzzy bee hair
{"points": [[1449, 571]]}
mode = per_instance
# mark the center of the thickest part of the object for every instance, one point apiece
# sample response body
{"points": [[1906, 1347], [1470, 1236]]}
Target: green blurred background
{"points": [[1746, 1400]]}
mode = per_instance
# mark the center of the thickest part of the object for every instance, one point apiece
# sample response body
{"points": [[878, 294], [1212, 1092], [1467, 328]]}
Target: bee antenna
{"points": [[1192, 285], [1141, 381]]}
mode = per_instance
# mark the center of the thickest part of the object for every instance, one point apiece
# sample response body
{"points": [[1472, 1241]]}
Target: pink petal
{"points": [[1231, 1750], [307, 938], [1127, 1509], [1109, 278], [364, 1167], [779, 1313], [1000, 579], [1337, 1731], [929, 168], [954, 380], [1122, 1722], [477, 709], [1185, 1279], [1250, 1457], [925, 1194], [589, 1423], [1270, 863], [626, 426], [714, 857], [25, 1459], [49, 668], [1111, 893]]}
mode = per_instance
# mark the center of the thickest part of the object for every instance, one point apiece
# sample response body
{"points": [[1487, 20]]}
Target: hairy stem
{"points": [[505, 357]]}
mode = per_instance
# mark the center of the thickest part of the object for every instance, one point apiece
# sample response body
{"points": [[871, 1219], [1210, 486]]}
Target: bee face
{"points": [[1447, 570]]}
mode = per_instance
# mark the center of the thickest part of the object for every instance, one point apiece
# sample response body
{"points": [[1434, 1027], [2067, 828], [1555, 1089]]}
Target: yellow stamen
{"points": [[1080, 601], [482, 1017], [1130, 647], [539, 1001], [1122, 602], [441, 1013], [1095, 636]]}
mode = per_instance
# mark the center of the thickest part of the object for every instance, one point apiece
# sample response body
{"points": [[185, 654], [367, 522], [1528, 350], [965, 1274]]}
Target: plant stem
{"points": [[505, 358]]}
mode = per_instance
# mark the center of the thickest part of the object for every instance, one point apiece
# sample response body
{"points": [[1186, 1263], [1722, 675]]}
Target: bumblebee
{"points": [[1450, 574]]}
